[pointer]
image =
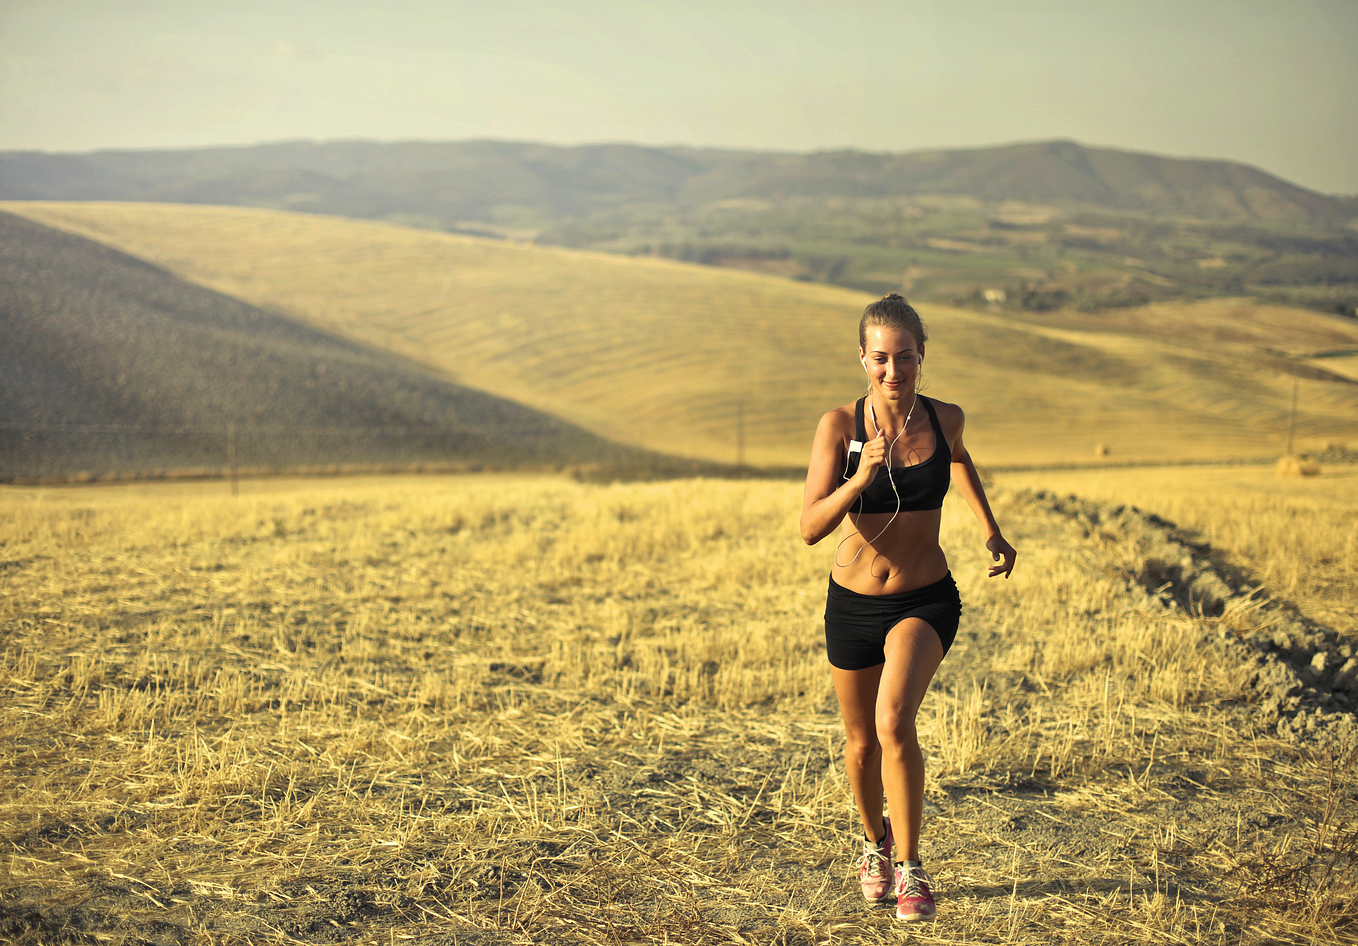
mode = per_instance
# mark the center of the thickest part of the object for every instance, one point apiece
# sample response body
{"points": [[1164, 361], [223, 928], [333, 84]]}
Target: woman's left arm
{"points": [[969, 485]]}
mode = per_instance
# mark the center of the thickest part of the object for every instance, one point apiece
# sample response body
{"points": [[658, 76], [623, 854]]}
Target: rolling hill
{"points": [[453, 181], [679, 358], [1045, 223], [109, 364]]}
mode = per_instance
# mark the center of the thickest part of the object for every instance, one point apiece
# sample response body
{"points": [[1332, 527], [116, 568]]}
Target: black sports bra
{"points": [[922, 486]]}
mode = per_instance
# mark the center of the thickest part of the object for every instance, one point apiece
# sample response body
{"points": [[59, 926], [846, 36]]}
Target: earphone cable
{"points": [[894, 488]]}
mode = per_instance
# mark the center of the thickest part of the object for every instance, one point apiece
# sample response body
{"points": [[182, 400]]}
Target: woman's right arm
{"points": [[826, 500]]}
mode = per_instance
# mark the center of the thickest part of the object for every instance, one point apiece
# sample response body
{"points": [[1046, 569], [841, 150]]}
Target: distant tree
{"points": [[1037, 297]]}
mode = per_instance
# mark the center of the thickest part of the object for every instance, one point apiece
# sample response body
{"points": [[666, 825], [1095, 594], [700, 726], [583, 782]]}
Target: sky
{"points": [[1264, 82]]}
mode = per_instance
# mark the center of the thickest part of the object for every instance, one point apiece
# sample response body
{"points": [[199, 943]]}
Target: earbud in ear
{"points": [[864, 363]]}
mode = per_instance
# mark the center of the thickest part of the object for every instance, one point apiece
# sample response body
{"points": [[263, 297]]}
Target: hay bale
{"points": [[1298, 464], [1100, 449]]}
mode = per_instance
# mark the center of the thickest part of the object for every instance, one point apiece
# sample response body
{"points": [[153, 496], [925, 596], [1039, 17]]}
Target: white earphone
{"points": [[889, 447]]}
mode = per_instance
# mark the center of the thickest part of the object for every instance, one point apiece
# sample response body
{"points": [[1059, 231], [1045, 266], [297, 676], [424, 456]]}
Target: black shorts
{"points": [[856, 625]]}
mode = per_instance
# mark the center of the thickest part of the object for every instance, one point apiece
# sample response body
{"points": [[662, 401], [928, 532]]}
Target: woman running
{"points": [[885, 461]]}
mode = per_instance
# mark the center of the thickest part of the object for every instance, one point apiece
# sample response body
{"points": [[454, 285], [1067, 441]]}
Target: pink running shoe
{"points": [[874, 870], [914, 893]]}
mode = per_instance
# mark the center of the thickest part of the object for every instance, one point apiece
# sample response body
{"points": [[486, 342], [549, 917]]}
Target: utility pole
{"points": [[1292, 423], [231, 456], [740, 433]]}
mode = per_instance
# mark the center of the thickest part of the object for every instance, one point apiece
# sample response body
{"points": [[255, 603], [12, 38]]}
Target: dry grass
{"points": [[688, 346], [1299, 537], [497, 710]]}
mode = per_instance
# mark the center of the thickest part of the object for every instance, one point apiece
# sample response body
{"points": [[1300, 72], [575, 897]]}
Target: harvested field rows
{"points": [[474, 710], [1299, 537], [700, 353]]}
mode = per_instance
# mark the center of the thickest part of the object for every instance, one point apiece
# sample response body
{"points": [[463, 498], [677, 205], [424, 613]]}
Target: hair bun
{"points": [[892, 310]]}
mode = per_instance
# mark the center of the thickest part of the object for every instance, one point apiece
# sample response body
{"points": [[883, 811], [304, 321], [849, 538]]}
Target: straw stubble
{"points": [[542, 711]]}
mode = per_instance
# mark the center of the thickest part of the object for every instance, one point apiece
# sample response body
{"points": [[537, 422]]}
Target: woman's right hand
{"points": [[871, 459], [828, 497]]}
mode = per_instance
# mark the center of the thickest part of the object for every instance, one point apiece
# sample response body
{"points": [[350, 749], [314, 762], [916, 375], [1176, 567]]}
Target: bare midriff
{"points": [[905, 557]]}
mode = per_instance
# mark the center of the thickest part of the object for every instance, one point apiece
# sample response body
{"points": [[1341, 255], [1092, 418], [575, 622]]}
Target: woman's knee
{"points": [[896, 731], [861, 747]]}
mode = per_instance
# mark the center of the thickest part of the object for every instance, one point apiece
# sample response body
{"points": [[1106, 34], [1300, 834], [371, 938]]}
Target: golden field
{"points": [[521, 709], [526, 710], [1299, 537], [686, 349]]}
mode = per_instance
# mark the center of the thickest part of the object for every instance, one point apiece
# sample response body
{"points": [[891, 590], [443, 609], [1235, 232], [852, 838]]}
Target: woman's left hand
{"points": [[1002, 552]]}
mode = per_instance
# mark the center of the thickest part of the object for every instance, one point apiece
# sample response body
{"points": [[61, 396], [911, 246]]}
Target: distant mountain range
{"points": [[445, 184], [110, 365]]}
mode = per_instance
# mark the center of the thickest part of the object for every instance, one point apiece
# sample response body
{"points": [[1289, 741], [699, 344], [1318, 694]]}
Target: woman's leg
{"points": [[913, 653], [857, 692]]}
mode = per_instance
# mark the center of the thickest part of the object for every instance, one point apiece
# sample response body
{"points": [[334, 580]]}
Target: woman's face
{"points": [[892, 358]]}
